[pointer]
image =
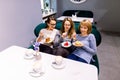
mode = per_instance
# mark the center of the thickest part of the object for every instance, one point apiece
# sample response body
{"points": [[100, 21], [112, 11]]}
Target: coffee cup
{"points": [[58, 60], [37, 67]]}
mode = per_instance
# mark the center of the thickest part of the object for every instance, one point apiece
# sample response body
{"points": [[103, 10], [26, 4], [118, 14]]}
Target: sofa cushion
{"points": [[80, 13], [38, 28]]}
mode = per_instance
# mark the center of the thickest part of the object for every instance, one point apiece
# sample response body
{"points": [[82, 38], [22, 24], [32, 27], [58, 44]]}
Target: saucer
{"points": [[29, 57], [37, 74], [34, 74], [54, 65]]}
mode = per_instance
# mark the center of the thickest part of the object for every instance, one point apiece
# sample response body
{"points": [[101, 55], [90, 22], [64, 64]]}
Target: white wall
{"points": [[18, 19], [110, 20], [106, 12]]}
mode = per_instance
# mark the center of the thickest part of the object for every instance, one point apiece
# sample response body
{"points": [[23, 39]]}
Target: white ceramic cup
{"points": [[37, 67], [58, 60]]}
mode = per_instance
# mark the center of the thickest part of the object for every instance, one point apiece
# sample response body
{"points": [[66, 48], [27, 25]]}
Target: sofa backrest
{"points": [[80, 13]]}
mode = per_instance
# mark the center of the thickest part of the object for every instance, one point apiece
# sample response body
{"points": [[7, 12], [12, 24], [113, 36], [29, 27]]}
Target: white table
{"points": [[13, 66], [76, 19]]}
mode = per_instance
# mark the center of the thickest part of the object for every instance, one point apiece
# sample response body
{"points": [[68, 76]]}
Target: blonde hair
{"points": [[86, 23]]}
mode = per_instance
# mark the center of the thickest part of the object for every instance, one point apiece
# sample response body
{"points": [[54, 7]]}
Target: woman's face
{"points": [[51, 25], [67, 25], [83, 29]]}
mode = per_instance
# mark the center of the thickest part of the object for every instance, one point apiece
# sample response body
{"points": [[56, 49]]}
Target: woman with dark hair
{"points": [[48, 36]]}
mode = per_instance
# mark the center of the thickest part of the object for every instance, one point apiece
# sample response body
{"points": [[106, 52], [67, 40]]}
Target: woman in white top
{"points": [[48, 36]]}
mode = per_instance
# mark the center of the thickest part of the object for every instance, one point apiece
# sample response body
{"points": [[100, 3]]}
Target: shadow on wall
{"points": [[98, 14]]}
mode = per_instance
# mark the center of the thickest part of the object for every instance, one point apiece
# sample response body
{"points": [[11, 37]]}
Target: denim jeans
{"points": [[74, 57]]}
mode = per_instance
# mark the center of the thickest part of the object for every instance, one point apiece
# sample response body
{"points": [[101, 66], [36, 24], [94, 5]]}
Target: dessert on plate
{"points": [[47, 40], [77, 43]]}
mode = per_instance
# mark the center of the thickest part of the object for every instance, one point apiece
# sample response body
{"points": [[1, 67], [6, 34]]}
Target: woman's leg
{"points": [[74, 57], [46, 49], [61, 52]]}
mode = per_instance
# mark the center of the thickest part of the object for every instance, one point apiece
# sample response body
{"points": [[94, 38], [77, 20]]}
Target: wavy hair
{"points": [[71, 30]]}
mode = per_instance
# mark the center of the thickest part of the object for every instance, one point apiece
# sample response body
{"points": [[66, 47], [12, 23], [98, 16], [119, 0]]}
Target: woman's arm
{"points": [[92, 49], [57, 39], [40, 37]]}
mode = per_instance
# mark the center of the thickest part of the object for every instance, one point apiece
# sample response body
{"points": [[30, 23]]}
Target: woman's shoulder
{"points": [[91, 35], [56, 30], [44, 29]]}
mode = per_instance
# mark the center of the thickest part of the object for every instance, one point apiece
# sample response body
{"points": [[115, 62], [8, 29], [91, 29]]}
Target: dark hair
{"points": [[49, 19]]}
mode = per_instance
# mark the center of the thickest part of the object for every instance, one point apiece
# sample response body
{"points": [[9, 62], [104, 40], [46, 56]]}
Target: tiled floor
{"points": [[109, 56]]}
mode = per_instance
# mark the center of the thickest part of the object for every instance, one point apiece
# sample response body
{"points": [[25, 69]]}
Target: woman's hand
{"points": [[78, 44], [40, 37], [74, 36], [64, 34], [81, 44]]}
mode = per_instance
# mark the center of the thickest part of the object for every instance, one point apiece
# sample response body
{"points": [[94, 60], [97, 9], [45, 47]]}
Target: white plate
{"points": [[76, 45], [34, 74], [49, 41], [66, 46], [54, 65]]}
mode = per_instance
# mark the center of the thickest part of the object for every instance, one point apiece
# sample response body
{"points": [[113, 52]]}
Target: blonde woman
{"points": [[85, 44]]}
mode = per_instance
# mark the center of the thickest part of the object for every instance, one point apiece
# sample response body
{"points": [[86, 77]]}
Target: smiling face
{"points": [[67, 26], [85, 27], [51, 24]]}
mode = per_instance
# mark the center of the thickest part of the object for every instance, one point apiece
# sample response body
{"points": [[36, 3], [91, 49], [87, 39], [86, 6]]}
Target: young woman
{"points": [[48, 36], [85, 44], [68, 34], [68, 31]]}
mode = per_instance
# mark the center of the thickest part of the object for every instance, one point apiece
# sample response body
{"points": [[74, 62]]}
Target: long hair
{"points": [[71, 30]]}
